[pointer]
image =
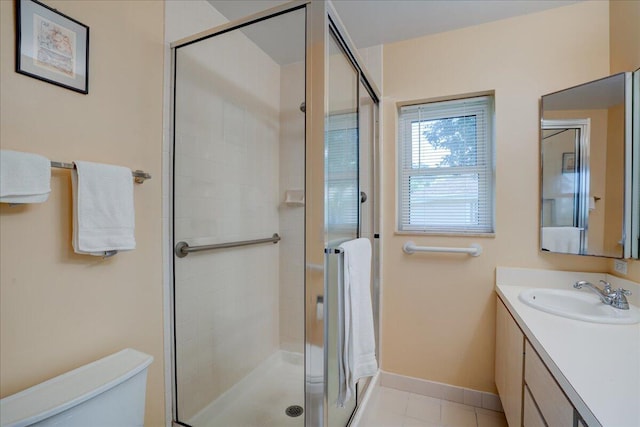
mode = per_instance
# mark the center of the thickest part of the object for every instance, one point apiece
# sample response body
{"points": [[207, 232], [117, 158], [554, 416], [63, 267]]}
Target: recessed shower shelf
{"points": [[294, 198]]}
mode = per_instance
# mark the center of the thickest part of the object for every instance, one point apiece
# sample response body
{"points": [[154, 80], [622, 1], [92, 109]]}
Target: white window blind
{"points": [[341, 171], [446, 167]]}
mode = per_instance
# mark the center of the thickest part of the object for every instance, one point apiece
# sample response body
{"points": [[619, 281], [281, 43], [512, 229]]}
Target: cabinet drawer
{"points": [[553, 404], [532, 417]]}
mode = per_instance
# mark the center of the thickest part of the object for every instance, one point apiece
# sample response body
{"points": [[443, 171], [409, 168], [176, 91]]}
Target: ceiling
{"points": [[373, 22]]}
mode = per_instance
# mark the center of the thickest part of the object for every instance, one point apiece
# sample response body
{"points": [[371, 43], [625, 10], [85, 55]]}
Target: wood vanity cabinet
{"points": [[530, 395], [509, 364]]}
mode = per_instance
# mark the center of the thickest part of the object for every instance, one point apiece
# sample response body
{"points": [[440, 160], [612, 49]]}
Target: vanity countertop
{"points": [[596, 365]]}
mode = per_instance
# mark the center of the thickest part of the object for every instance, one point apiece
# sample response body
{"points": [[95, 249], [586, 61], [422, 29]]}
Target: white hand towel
{"points": [[103, 212], [359, 346], [24, 177], [561, 239]]}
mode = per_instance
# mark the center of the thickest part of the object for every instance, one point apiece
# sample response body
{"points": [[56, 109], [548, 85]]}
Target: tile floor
{"points": [[389, 407]]}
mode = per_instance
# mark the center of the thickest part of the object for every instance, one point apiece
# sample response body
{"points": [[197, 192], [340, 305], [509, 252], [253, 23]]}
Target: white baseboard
{"points": [[466, 396]]}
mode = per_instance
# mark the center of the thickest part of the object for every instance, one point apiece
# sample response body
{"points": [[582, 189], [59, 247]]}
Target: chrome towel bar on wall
{"points": [[138, 175], [410, 248], [183, 249]]}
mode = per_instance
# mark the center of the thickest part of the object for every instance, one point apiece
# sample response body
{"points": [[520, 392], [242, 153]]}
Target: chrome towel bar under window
{"points": [[183, 249]]}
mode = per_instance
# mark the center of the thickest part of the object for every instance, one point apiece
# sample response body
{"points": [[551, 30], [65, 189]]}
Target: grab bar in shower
{"points": [[473, 250], [183, 249]]}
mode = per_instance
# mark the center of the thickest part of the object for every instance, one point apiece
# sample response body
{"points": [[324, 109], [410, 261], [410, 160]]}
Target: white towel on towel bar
{"points": [[24, 177], [103, 212], [359, 345]]}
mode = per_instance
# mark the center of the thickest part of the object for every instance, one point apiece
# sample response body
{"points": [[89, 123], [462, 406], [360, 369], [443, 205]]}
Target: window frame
{"points": [[442, 109]]}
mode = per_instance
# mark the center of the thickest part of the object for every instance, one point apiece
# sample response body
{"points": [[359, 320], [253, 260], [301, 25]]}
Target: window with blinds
{"points": [[341, 171], [446, 167]]}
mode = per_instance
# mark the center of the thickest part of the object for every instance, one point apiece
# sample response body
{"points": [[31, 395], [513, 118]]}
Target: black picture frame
{"points": [[51, 46]]}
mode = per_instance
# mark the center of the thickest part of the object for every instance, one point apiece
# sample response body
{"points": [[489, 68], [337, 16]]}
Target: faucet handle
{"points": [[618, 299], [607, 287]]}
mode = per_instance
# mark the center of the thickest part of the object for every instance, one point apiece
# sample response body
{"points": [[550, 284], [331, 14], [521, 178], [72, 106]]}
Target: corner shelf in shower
{"points": [[294, 198]]}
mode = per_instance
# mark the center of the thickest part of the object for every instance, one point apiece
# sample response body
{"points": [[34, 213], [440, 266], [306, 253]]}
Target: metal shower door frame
{"points": [[321, 19], [322, 22]]}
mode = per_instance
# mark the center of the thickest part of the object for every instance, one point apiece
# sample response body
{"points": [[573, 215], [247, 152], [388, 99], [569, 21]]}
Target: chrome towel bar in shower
{"points": [[183, 249]]}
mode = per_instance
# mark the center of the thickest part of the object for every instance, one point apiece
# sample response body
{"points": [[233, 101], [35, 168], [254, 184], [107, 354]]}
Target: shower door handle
{"points": [[363, 198]]}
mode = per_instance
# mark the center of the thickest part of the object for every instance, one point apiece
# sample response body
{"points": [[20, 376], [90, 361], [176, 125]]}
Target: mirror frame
{"points": [[628, 165], [635, 174]]}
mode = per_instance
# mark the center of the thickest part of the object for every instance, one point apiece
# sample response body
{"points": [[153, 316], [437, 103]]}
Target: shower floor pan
{"points": [[261, 398]]}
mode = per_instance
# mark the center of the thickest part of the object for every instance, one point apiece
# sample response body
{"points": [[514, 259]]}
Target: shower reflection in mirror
{"points": [[565, 190], [565, 193]]}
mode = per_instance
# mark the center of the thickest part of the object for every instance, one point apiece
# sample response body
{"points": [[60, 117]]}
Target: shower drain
{"points": [[294, 411]]}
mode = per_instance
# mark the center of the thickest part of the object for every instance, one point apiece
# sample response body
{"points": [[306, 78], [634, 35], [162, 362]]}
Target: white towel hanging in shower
{"points": [[358, 358]]}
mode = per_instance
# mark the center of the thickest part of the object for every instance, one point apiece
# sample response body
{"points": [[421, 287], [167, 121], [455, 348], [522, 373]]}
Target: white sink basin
{"points": [[578, 305]]}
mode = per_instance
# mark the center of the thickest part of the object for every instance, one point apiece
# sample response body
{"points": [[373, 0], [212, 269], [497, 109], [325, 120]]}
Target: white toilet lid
{"points": [[72, 388]]}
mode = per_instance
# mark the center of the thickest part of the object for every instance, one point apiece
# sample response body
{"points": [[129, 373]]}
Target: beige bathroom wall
{"points": [[624, 42], [59, 310], [438, 310], [624, 16], [615, 176]]}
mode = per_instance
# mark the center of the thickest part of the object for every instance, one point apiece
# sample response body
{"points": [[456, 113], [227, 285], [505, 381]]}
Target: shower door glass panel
{"points": [[239, 146], [342, 206], [561, 184], [368, 111]]}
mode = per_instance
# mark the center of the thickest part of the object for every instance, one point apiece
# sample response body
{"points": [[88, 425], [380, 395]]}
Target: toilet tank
{"points": [[109, 392]]}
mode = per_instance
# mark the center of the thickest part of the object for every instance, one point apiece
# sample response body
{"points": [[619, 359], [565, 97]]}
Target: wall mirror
{"points": [[586, 155]]}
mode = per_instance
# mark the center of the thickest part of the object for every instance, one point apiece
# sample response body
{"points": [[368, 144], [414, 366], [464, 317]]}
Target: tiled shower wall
{"points": [[227, 189], [292, 175], [222, 333]]}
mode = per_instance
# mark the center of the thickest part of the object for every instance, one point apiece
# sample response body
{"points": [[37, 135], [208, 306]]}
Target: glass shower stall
{"points": [[275, 156]]}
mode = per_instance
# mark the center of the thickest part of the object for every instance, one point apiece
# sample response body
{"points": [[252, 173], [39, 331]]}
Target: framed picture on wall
{"points": [[568, 162], [51, 47]]}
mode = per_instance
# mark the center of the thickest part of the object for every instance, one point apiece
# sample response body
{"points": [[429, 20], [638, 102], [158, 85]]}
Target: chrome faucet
{"points": [[616, 299]]}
